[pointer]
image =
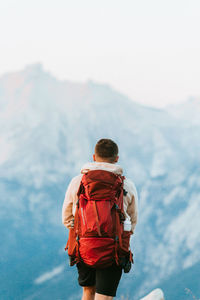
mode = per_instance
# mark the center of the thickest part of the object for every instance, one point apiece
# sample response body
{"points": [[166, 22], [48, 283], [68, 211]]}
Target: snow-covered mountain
{"points": [[48, 129], [156, 294]]}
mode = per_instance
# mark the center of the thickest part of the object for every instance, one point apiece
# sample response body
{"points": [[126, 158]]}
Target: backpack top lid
{"points": [[102, 185]]}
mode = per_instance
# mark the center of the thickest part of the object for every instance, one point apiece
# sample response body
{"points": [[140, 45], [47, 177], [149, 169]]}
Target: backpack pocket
{"points": [[71, 246], [97, 252], [95, 218], [126, 235]]}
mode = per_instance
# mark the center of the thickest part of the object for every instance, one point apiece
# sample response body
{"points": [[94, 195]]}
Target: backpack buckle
{"points": [[116, 206]]}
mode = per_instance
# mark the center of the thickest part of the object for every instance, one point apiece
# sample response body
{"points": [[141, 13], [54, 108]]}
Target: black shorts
{"points": [[106, 280]]}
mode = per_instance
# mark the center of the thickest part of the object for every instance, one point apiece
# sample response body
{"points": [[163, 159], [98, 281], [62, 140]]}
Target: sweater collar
{"points": [[102, 166]]}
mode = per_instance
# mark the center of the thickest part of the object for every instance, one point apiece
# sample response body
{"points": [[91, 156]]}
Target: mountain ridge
{"points": [[47, 131]]}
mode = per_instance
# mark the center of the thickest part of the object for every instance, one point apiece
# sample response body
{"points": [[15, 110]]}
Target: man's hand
{"points": [[71, 224]]}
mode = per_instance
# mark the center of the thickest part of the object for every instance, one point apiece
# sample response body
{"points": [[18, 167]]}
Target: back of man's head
{"points": [[106, 150]]}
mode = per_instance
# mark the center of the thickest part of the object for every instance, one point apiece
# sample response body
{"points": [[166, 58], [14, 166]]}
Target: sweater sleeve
{"points": [[69, 204], [132, 207]]}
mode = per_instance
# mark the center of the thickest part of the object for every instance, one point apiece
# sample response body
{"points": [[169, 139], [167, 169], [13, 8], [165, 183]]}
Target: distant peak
{"points": [[37, 67], [36, 70], [93, 83], [194, 100]]}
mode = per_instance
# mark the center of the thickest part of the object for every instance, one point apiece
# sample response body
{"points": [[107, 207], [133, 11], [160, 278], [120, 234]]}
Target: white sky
{"points": [[147, 49]]}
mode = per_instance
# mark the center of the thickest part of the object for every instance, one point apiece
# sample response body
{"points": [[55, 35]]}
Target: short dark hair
{"points": [[106, 148]]}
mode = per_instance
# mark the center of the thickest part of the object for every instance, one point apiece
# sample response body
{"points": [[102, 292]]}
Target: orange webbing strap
{"points": [[67, 245], [77, 230], [97, 218], [131, 257], [76, 219]]}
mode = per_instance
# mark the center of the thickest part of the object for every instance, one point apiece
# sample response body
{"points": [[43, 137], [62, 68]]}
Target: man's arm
{"points": [[132, 207], [69, 204]]}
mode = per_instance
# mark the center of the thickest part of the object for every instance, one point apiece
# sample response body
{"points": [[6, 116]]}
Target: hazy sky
{"points": [[147, 49]]}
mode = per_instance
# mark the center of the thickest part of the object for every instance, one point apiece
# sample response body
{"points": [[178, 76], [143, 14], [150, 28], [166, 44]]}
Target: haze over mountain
{"points": [[48, 129]]}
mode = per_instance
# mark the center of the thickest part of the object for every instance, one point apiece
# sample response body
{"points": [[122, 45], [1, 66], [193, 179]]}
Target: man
{"points": [[100, 284]]}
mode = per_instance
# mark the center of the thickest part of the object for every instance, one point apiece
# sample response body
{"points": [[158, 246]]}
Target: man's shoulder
{"points": [[76, 180], [129, 186]]}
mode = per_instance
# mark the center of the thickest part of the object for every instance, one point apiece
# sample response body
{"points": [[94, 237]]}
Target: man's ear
{"points": [[117, 158], [94, 157]]}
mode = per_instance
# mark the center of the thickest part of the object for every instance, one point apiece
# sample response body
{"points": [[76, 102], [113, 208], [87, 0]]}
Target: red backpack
{"points": [[98, 238]]}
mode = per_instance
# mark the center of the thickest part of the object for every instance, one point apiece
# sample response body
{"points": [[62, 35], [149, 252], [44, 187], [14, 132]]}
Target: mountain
{"points": [[187, 111], [48, 130], [156, 294]]}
